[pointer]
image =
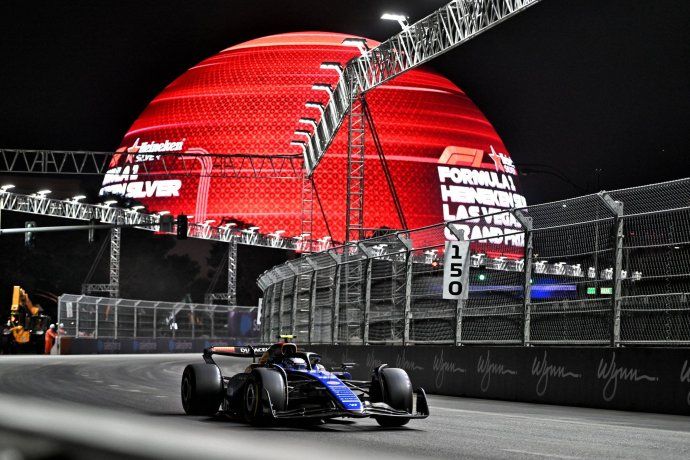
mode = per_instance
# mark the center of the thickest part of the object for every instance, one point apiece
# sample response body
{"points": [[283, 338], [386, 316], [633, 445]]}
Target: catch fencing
{"points": [[607, 268], [103, 317]]}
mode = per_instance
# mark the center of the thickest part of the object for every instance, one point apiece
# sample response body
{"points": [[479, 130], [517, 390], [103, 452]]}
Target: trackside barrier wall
{"points": [[610, 268], [634, 378]]}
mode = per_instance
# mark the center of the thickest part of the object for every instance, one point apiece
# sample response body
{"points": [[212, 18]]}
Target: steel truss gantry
{"points": [[71, 209], [441, 31], [177, 164]]}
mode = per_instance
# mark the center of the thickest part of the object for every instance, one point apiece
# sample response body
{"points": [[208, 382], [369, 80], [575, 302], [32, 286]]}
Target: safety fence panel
{"points": [[654, 302], [574, 244], [609, 268], [431, 318], [323, 297], [353, 286], [102, 317]]}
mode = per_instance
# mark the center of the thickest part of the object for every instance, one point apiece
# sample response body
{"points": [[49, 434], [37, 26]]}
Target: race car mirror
{"points": [[456, 270]]}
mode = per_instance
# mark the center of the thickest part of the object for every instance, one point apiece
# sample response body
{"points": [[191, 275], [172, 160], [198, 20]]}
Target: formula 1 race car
{"points": [[288, 384]]}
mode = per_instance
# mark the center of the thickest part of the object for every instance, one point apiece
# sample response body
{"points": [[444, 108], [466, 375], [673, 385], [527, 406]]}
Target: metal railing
{"points": [[103, 317], [607, 268]]}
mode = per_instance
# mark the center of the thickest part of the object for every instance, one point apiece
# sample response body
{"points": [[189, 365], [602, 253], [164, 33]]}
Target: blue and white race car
{"points": [[287, 384]]}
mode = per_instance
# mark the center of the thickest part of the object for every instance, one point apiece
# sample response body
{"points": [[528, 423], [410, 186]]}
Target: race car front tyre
{"points": [[202, 389], [261, 385], [397, 393]]}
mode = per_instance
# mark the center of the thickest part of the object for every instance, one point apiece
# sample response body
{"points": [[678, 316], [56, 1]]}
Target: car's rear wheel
{"points": [[201, 389], [262, 384], [396, 391]]}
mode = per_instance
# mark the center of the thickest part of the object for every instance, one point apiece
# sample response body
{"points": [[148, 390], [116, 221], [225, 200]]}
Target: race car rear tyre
{"points": [[262, 384], [202, 389], [397, 393]]}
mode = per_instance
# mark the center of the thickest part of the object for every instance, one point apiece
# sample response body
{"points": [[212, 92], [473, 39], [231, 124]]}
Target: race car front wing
{"points": [[420, 410]]}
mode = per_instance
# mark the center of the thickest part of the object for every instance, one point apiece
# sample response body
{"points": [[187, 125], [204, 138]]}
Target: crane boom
{"points": [[441, 31]]}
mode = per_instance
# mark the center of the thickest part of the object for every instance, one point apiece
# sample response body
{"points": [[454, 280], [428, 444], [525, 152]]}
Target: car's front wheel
{"points": [[201, 389], [261, 385], [396, 391]]}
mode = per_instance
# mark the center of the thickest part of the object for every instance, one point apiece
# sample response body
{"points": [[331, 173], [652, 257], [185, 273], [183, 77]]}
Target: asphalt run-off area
{"points": [[130, 405]]}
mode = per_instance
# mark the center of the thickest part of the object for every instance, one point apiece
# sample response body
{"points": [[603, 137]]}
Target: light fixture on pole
{"points": [[399, 18], [302, 132], [43, 193], [6, 187], [109, 203], [323, 87], [333, 66], [309, 121], [77, 198], [137, 208], [359, 43], [315, 105], [163, 213], [301, 144]]}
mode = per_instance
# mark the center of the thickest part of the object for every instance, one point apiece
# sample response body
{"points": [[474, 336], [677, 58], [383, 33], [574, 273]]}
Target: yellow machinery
{"points": [[26, 319]]}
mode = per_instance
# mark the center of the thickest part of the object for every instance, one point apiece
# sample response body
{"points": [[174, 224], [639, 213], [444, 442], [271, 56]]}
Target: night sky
{"points": [[571, 87], [594, 91]]}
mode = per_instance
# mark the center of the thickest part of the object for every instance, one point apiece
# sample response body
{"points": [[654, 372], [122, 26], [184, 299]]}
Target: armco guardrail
{"points": [[607, 268], [87, 317]]}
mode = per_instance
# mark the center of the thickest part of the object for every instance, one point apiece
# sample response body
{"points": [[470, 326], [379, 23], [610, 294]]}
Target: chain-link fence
{"points": [[608, 268], [104, 317]]}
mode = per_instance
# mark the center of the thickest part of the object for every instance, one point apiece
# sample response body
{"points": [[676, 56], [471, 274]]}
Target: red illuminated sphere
{"points": [[249, 99]]}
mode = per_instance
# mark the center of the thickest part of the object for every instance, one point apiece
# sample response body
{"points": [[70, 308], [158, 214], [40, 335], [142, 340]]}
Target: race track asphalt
{"points": [[133, 400]]}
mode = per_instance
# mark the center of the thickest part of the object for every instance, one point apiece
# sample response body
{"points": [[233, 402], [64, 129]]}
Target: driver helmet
{"points": [[52, 326], [296, 363]]}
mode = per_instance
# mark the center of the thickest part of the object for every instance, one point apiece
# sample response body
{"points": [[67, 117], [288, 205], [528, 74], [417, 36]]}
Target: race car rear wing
{"points": [[246, 351]]}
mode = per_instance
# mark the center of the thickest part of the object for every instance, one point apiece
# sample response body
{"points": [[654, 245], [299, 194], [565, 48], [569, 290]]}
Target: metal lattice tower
{"points": [[232, 273], [354, 219], [307, 212], [115, 240]]}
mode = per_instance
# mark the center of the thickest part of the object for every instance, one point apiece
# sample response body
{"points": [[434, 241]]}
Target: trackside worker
{"points": [[50, 336]]}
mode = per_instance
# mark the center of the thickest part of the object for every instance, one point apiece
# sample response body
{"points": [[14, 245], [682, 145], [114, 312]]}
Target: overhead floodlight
{"points": [[308, 121], [315, 105], [399, 18], [359, 43], [78, 197], [109, 202], [299, 144], [137, 207], [229, 225], [43, 192], [332, 66], [322, 87], [302, 132], [253, 229], [278, 232], [209, 221], [163, 213], [6, 187]]}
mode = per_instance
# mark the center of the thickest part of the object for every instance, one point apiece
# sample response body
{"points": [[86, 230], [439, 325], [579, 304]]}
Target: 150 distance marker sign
{"points": [[456, 270]]}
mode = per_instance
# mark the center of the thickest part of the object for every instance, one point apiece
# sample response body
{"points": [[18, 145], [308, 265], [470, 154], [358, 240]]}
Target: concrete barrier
{"points": [[639, 379]]}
